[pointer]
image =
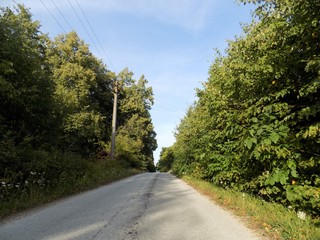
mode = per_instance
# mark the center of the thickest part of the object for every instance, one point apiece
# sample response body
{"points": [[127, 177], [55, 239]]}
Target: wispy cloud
{"points": [[189, 14]]}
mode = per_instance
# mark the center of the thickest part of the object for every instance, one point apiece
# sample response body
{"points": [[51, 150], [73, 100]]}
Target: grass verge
{"points": [[96, 174], [271, 220]]}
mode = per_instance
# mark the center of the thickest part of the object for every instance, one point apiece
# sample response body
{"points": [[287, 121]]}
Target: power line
{"points": [[83, 25], [114, 115], [94, 33], [53, 17], [62, 15], [85, 28]]}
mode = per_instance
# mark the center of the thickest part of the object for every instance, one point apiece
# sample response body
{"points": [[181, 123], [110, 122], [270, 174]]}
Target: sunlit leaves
{"points": [[166, 159], [25, 86], [136, 135], [260, 108]]}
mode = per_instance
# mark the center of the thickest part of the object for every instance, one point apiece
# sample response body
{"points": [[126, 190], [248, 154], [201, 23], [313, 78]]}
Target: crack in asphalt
{"points": [[110, 221], [132, 224], [132, 228], [144, 207]]}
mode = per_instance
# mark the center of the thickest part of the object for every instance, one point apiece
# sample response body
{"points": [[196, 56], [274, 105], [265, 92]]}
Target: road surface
{"points": [[146, 206]]}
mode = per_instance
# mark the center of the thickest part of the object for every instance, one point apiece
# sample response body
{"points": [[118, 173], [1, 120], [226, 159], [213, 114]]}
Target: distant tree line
{"points": [[56, 101], [256, 124]]}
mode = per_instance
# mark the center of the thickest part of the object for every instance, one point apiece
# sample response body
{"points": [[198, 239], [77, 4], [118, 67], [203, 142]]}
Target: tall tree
{"points": [[136, 137], [262, 106], [166, 159], [25, 86], [82, 93]]}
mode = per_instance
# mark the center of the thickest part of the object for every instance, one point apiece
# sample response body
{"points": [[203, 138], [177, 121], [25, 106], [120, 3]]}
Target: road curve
{"points": [[145, 207]]}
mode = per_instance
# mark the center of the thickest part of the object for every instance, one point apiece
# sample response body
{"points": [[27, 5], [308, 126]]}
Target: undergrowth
{"points": [[19, 193]]}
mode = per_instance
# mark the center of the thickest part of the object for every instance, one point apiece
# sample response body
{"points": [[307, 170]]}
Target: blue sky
{"points": [[171, 42]]}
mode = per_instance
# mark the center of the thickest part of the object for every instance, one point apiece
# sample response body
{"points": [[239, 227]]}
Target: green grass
{"points": [[271, 220], [96, 174]]}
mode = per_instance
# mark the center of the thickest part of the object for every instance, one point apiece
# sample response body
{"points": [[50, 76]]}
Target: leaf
{"points": [[282, 128], [251, 131], [259, 131], [257, 154], [283, 179], [254, 120], [267, 141], [249, 142], [274, 137], [254, 140], [294, 173]]}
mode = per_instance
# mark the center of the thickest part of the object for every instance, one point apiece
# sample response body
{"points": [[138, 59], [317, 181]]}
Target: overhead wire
{"points": [[56, 20], [85, 28], [62, 15], [53, 17], [82, 24], [94, 33]]}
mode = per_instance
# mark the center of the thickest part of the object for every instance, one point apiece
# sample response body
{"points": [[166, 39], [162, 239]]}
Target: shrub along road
{"points": [[145, 206]]}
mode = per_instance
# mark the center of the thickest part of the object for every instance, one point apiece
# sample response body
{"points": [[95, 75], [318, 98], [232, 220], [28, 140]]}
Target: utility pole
{"points": [[114, 120]]}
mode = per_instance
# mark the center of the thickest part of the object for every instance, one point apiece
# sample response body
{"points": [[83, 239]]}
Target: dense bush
{"points": [[256, 124], [56, 102], [45, 178]]}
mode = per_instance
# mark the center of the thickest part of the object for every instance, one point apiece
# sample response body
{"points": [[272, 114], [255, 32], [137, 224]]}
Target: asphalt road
{"points": [[146, 206]]}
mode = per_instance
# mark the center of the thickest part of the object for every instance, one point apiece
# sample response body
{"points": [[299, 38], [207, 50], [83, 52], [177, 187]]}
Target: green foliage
{"points": [[82, 93], [56, 105], [135, 137], [255, 126], [50, 179], [166, 159], [25, 89]]}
